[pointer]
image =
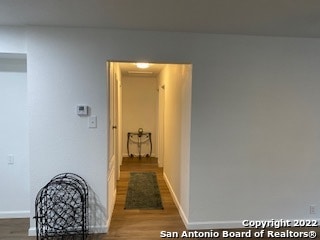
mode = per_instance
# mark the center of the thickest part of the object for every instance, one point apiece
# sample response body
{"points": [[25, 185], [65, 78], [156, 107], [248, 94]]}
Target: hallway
{"points": [[142, 224]]}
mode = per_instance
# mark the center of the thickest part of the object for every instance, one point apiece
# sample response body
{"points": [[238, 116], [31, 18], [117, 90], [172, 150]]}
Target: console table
{"points": [[139, 138]]}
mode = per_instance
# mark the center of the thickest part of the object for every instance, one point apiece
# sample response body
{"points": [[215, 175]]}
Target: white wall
{"points": [[171, 79], [13, 40], [254, 121], [255, 130], [140, 98], [176, 79], [14, 176], [66, 69]]}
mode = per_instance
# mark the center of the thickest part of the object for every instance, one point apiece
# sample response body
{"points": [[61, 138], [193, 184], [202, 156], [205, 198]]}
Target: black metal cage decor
{"points": [[61, 208]]}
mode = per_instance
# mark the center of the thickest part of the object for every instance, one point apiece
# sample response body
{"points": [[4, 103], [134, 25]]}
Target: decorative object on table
{"points": [[140, 132], [143, 191], [138, 139], [61, 208]]}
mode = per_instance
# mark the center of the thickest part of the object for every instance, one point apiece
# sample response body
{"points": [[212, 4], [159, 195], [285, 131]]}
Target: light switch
{"points": [[93, 121]]}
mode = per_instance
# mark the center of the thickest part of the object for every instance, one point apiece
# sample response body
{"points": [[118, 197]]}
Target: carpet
{"points": [[143, 191]]}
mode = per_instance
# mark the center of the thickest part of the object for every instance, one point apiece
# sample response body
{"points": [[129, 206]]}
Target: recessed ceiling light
{"points": [[143, 65]]}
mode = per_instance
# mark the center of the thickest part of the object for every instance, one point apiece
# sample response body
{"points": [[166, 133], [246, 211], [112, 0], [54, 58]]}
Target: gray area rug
{"points": [[143, 191]]}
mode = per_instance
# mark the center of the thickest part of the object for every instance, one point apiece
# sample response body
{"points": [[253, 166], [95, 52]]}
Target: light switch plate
{"points": [[93, 121]]}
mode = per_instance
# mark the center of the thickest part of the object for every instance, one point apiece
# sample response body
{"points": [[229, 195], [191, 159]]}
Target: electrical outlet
{"points": [[10, 159], [312, 209]]}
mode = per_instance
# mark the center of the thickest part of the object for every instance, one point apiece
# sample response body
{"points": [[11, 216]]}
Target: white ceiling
{"points": [[292, 18]]}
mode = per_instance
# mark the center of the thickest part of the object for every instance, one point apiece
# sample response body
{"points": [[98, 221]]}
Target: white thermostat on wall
{"points": [[82, 110]]}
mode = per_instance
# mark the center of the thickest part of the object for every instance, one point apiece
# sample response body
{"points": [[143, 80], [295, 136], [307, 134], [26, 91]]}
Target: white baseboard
{"points": [[32, 232], [200, 225], [98, 229], [92, 229], [214, 225], [15, 214], [112, 208], [175, 199], [230, 224]]}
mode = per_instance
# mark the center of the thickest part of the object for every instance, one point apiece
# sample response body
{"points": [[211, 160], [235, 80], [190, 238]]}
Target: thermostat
{"points": [[82, 110]]}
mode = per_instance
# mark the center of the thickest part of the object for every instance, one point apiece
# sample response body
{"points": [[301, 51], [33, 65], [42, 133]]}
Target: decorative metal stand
{"points": [[61, 208], [139, 138]]}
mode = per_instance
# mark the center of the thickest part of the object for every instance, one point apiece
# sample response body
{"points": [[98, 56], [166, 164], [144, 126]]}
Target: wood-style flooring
{"points": [[143, 224], [125, 224], [136, 224], [14, 229]]}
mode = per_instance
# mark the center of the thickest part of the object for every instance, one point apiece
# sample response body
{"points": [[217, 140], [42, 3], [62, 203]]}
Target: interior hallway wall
{"points": [[65, 70], [254, 121], [176, 80], [258, 145], [13, 40], [14, 176], [140, 98]]}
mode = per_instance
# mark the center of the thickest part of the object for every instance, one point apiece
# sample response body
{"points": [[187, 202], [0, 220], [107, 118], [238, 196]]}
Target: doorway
{"points": [[14, 139], [161, 96]]}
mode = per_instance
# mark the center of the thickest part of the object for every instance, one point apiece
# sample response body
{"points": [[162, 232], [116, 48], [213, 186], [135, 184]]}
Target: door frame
{"points": [[161, 118], [185, 142], [112, 136]]}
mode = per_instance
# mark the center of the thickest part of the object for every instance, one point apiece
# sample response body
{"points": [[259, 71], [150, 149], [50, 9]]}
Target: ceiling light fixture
{"points": [[139, 72], [142, 65]]}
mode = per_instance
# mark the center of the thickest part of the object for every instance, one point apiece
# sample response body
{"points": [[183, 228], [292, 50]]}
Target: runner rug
{"points": [[143, 191]]}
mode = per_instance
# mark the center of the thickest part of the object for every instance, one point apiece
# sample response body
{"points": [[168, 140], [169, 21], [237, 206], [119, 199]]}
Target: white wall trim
{"points": [[214, 225], [177, 203], [112, 209], [92, 230], [98, 229], [112, 195], [14, 214], [32, 232], [227, 224]]}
